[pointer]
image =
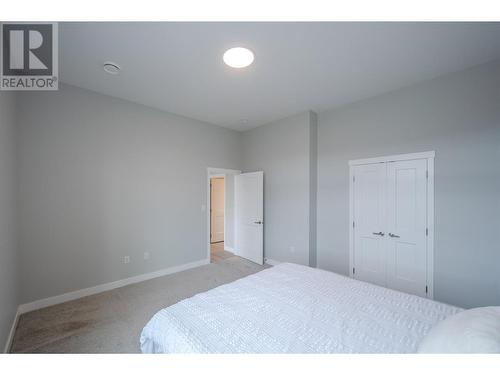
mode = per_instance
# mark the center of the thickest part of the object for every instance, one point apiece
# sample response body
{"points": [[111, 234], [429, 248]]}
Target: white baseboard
{"points": [[39, 304], [230, 249], [8, 344], [272, 262]]}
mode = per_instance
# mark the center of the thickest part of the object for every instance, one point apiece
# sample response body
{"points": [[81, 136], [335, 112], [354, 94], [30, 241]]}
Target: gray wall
{"points": [[101, 178], [313, 188], [8, 256], [282, 150], [458, 117]]}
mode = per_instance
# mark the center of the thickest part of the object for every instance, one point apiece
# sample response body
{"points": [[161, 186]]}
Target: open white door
{"points": [[249, 213]]}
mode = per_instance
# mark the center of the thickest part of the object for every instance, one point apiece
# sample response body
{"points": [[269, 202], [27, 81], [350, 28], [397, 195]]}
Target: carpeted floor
{"points": [[111, 322]]}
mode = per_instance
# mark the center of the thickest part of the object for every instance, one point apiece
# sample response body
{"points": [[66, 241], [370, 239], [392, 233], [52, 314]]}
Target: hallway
{"points": [[217, 252]]}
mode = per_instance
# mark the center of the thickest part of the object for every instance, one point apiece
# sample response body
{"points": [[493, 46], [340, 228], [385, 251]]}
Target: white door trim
{"points": [[429, 156], [216, 172], [400, 157]]}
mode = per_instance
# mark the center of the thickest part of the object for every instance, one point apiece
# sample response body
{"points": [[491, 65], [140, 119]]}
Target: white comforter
{"points": [[294, 309]]}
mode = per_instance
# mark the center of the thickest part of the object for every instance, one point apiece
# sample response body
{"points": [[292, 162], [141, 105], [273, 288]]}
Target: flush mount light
{"points": [[111, 67], [238, 57]]}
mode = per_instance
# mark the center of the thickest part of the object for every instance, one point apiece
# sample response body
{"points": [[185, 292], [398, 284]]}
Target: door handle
{"points": [[393, 235], [258, 222], [378, 233]]}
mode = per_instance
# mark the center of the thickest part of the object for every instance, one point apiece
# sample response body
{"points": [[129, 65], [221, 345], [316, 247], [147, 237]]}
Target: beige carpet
{"points": [[111, 322]]}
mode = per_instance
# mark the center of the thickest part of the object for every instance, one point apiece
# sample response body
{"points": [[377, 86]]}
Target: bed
{"points": [[291, 308]]}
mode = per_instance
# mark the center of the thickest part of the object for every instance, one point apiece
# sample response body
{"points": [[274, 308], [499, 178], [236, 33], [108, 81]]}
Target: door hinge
{"points": [[353, 270], [353, 178], [426, 231], [353, 224], [426, 289], [427, 174]]}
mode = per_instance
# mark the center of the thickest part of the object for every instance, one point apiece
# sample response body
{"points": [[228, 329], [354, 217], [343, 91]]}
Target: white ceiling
{"points": [[177, 67]]}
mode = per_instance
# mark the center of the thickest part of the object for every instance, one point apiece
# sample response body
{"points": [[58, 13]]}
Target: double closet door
{"points": [[389, 209]]}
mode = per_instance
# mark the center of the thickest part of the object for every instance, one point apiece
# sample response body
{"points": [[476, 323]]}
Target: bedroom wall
{"points": [[282, 150], [8, 255], [313, 188], [456, 115], [101, 178]]}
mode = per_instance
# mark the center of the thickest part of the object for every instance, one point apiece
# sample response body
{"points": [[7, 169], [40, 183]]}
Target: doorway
{"points": [[217, 220], [220, 213], [241, 215]]}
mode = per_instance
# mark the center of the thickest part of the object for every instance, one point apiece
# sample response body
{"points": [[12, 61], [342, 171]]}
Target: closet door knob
{"points": [[378, 233], [393, 235]]}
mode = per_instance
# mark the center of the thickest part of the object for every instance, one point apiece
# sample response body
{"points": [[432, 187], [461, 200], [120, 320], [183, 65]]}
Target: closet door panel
{"points": [[406, 226], [369, 217]]}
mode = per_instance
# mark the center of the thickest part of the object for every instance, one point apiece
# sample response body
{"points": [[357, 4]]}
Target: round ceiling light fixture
{"points": [[238, 57], [111, 67]]}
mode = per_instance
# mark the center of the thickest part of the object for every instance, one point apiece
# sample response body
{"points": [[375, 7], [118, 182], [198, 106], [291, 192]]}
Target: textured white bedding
{"points": [[294, 309]]}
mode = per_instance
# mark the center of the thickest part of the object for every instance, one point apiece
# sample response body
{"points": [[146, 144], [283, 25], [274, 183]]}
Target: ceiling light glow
{"points": [[238, 57]]}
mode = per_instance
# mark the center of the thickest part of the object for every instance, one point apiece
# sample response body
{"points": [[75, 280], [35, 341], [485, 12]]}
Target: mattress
{"points": [[291, 308]]}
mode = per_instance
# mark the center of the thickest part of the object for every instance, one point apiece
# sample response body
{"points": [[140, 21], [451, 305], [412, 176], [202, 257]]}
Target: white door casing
{"points": [[403, 221], [217, 209], [249, 213]]}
